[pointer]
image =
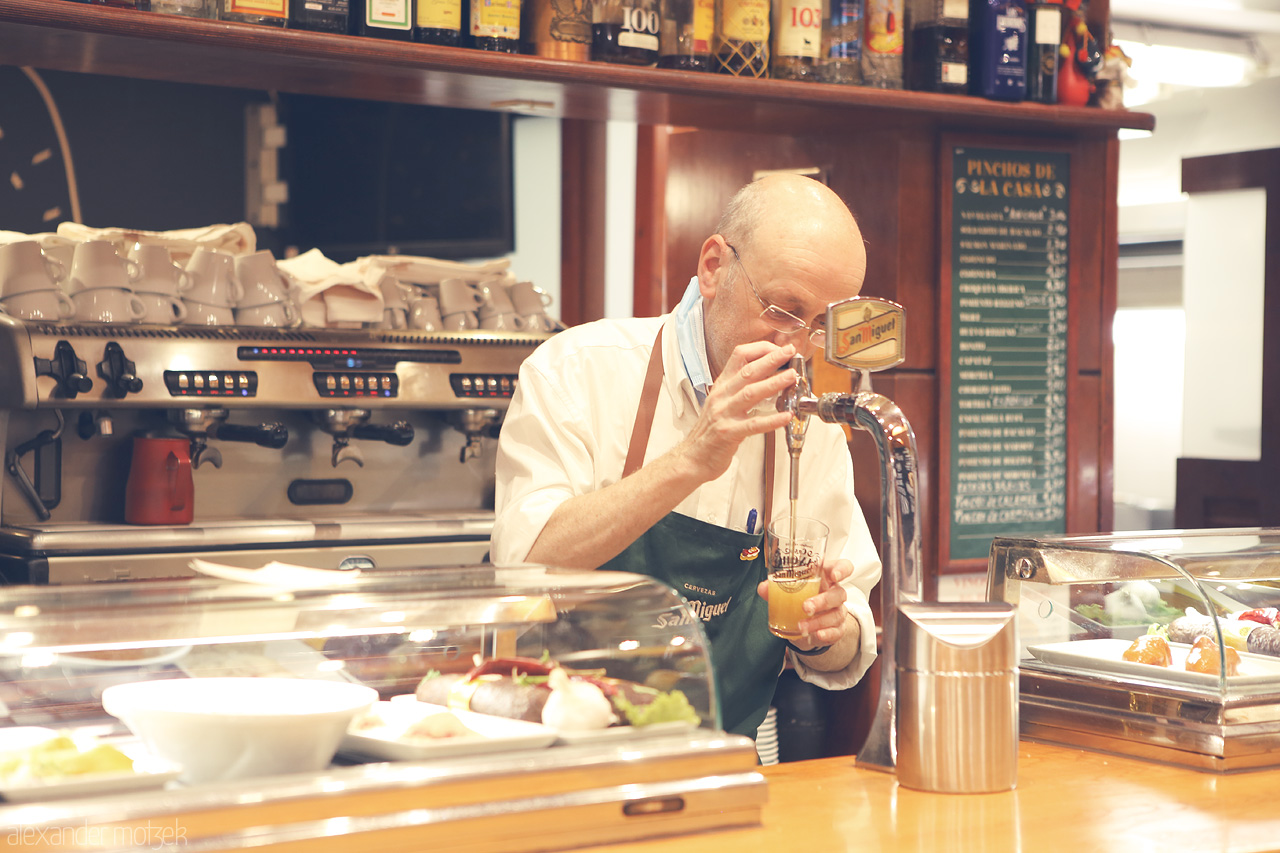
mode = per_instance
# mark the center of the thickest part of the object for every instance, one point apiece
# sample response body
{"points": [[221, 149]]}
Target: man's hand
{"points": [[729, 415], [828, 622]]}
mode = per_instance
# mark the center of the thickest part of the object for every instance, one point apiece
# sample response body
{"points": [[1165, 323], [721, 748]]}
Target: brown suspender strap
{"points": [[644, 415], [644, 425]]}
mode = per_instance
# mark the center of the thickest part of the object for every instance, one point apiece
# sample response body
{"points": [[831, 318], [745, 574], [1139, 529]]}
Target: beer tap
{"points": [[800, 402], [866, 334]]}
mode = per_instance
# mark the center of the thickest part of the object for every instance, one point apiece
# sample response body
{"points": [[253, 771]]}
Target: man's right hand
{"points": [[730, 414]]}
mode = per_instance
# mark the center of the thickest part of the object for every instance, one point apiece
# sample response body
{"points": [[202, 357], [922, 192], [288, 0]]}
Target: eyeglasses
{"points": [[778, 319]]}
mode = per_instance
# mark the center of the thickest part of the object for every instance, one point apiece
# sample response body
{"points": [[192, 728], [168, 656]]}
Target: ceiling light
{"points": [[1181, 66]]}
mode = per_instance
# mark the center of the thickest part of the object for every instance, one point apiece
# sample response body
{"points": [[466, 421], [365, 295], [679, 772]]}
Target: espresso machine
{"points": [[329, 448]]}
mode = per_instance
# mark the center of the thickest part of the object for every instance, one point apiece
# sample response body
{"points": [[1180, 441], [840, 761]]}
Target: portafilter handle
{"points": [[399, 433], [272, 435]]}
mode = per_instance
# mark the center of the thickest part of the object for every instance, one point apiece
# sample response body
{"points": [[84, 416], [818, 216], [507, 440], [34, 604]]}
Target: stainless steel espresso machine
{"points": [[322, 447]]}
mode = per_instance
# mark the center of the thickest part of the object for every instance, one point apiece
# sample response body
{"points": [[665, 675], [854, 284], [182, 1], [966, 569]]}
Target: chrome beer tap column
{"points": [[864, 335]]}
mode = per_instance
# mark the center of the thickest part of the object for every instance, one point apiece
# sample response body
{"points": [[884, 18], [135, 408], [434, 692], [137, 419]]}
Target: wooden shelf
{"points": [[67, 36]]}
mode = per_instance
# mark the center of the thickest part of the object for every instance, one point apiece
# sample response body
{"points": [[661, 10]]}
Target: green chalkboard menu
{"points": [[1008, 266]]}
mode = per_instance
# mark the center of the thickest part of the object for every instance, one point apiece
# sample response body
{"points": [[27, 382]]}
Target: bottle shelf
{"points": [[66, 36]]}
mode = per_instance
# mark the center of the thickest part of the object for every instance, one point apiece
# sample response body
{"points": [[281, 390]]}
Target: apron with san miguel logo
{"points": [[717, 570]]}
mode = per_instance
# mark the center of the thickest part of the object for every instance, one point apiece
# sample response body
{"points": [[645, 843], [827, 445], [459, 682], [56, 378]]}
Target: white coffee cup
{"points": [[528, 298], [162, 308], [157, 271], [497, 300], [213, 278], [260, 280], [539, 322], [395, 318], [274, 314], [460, 321], [509, 322], [96, 265], [108, 305], [51, 305], [203, 314], [459, 295], [25, 268], [424, 314], [393, 293]]}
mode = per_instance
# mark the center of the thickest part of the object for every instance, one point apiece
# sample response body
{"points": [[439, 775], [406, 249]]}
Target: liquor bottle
{"points": [[384, 19], [271, 13], [684, 42], [1042, 50], [185, 8], [998, 49], [625, 31], [438, 22], [938, 50], [493, 25], [556, 29], [841, 60], [741, 40], [797, 38], [321, 16], [882, 45]]}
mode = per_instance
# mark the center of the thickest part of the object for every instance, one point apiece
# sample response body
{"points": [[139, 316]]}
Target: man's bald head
{"points": [[784, 209]]}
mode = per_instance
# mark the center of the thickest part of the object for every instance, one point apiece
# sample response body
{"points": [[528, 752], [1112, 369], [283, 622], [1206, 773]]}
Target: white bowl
{"points": [[236, 728]]}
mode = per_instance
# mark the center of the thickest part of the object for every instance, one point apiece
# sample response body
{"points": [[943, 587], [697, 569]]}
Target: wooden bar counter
{"points": [[1067, 801]]}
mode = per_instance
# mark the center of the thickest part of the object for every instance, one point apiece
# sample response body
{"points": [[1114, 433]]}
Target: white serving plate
{"points": [[162, 656], [149, 772], [492, 734], [571, 737], [1104, 655]]}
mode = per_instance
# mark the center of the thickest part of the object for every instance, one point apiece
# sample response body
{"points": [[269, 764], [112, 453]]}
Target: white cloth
{"points": [[237, 238], [567, 430]]}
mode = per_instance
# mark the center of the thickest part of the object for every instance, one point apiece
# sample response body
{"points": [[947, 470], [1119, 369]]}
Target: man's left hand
{"points": [[827, 620]]}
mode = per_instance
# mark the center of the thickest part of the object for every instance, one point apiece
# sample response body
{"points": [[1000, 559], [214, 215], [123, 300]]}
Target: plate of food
{"points": [[38, 764], [412, 731], [1108, 656]]}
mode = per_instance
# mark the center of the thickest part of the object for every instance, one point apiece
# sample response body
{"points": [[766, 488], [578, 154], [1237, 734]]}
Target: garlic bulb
{"points": [[575, 706]]}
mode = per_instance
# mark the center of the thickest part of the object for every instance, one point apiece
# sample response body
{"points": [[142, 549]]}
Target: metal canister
{"points": [[957, 716]]}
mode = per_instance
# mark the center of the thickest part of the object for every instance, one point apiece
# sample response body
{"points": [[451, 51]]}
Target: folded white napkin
{"points": [[237, 238], [414, 269], [331, 294], [278, 575]]}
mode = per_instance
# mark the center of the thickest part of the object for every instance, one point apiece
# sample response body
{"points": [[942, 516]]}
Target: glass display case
{"points": [[502, 708], [1161, 645]]}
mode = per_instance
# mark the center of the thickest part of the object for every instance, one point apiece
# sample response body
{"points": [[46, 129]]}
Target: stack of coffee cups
{"points": [[395, 306], [459, 301], [498, 313], [30, 284], [531, 303], [265, 299], [160, 283], [101, 284], [214, 291]]}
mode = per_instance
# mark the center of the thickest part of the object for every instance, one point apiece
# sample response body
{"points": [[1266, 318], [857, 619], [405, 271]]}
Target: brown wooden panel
{"points": [[1085, 431], [102, 40], [582, 200], [650, 298], [1218, 493]]}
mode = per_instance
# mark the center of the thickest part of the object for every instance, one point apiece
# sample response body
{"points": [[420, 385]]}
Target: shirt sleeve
{"points": [[851, 540]]}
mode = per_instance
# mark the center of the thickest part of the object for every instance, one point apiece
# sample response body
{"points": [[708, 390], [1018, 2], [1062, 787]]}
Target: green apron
{"points": [[716, 569]]}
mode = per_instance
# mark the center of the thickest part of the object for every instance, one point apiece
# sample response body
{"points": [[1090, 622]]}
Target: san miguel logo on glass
{"points": [[868, 333]]}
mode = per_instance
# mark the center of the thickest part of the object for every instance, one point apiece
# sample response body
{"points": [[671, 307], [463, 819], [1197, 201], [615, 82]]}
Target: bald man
{"points": [[641, 445]]}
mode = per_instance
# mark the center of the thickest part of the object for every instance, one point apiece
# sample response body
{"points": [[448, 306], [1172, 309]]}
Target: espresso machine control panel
{"points": [[122, 366]]}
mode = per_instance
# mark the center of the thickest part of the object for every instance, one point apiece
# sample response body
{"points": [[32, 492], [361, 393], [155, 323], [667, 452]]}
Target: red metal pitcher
{"points": [[160, 488]]}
